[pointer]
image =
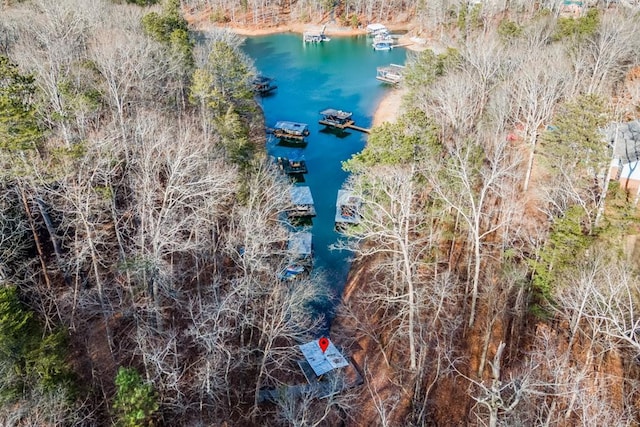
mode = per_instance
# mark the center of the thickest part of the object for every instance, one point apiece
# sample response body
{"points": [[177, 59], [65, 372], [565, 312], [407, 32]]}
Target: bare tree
{"points": [[469, 184], [540, 86], [388, 228]]}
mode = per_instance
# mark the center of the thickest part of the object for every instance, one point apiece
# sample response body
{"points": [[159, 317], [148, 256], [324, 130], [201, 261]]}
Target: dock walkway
{"points": [[339, 119]]}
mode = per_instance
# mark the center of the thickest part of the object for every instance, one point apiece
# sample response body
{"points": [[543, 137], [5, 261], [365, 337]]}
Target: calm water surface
{"points": [[311, 77]]}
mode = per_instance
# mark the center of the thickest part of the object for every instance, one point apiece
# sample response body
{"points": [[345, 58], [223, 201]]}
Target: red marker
{"points": [[323, 343]]}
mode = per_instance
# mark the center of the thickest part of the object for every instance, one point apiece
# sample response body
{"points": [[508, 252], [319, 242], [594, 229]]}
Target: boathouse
{"points": [[263, 85], [336, 118], [302, 202], [348, 208], [291, 166], [376, 30], [315, 36], [290, 130], [300, 247], [382, 42], [300, 251], [392, 74]]}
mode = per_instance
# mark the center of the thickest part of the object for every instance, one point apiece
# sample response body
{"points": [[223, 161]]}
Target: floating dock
{"points": [[291, 166], [348, 208], [382, 43], [377, 30], [290, 130], [263, 85], [339, 119], [302, 203], [315, 37], [392, 74], [300, 250]]}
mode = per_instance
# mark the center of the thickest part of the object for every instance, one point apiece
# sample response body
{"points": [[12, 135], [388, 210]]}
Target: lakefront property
{"points": [[264, 213]]}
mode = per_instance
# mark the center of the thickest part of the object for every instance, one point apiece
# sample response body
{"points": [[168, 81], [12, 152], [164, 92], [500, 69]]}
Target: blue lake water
{"points": [[337, 74]]}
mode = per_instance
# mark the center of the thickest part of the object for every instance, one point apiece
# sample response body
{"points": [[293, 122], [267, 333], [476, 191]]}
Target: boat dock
{"points": [[392, 74], [263, 85], [348, 208], [340, 120], [290, 130], [315, 37], [377, 30], [291, 166], [302, 203]]}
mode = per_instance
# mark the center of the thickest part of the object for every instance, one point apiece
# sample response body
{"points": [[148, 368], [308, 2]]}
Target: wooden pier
{"points": [[359, 129], [339, 119]]}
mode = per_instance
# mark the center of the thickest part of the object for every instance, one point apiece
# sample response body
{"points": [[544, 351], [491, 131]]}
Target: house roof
{"points": [[301, 195], [320, 362], [625, 140]]}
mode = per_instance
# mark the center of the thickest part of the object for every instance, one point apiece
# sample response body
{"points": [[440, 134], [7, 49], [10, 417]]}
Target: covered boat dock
{"points": [[290, 130], [392, 73], [348, 208], [302, 202], [291, 166]]}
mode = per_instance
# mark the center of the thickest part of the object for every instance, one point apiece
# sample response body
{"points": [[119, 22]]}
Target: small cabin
{"points": [[392, 73], [348, 208], [336, 118], [302, 202], [291, 166], [263, 85]]}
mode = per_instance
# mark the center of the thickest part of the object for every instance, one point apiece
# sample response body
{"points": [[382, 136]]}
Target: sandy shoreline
{"points": [[389, 107]]}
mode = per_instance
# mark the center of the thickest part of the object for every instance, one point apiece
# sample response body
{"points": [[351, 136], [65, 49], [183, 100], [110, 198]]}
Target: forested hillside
{"points": [[495, 279]]}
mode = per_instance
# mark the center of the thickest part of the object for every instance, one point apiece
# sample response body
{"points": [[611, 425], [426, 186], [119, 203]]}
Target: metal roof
{"points": [[301, 195], [320, 362], [292, 127], [336, 113], [375, 27], [625, 140], [300, 243]]}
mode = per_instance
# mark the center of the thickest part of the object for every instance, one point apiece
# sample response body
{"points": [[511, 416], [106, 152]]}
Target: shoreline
{"points": [[389, 107]]}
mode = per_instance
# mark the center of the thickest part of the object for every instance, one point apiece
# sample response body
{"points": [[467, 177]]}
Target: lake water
{"points": [[338, 74]]}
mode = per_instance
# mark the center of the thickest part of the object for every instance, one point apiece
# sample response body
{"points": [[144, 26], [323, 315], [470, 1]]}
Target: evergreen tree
{"points": [[18, 123], [135, 401]]}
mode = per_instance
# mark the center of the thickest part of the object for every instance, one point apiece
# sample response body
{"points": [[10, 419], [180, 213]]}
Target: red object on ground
{"points": [[323, 343]]}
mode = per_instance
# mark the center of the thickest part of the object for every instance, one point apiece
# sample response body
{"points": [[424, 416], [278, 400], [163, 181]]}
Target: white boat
{"points": [[382, 45]]}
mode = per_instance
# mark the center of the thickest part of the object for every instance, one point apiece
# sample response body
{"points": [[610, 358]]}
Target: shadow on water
{"points": [[338, 74], [338, 133]]}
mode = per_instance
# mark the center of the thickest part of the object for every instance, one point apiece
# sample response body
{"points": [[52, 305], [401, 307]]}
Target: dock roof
{"points": [[300, 244], [320, 362], [348, 207], [301, 195], [375, 27], [291, 127], [332, 112]]}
